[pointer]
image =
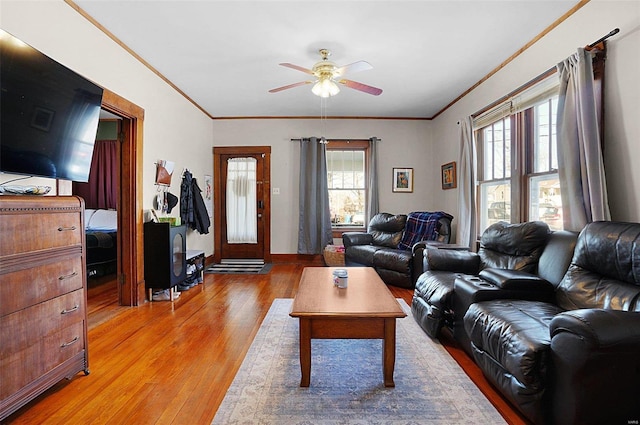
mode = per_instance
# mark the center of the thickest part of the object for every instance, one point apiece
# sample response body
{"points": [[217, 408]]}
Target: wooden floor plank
{"points": [[171, 363]]}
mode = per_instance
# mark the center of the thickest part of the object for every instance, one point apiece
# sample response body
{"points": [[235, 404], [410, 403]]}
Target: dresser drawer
{"points": [[30, 363], [27, 327], [23, 288], [34, 232]]}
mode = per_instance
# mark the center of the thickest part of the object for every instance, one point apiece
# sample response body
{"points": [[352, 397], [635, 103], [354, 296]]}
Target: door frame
{"points": [[218, 187], [130, 274]]}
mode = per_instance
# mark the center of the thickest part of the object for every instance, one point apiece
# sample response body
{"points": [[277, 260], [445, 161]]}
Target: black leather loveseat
{"points": [[379, 246]]}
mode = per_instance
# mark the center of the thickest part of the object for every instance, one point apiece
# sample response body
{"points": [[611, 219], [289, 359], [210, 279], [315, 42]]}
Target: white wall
{"points": [[622, 95], [405, 144], [174, 129]]}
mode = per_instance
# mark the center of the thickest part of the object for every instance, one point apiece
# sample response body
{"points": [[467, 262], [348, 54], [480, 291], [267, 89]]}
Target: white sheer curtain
{"points": [[467, 226], [242, 221], [580, 163]]}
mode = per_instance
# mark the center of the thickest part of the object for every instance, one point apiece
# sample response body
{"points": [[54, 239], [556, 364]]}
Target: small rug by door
{"points": [[239, 267], [346, 381]]}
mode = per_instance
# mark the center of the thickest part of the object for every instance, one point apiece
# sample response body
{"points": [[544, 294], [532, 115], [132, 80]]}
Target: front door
{"points": [[242, 232]]}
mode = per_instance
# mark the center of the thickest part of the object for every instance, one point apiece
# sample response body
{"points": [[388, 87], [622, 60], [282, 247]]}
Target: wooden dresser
{"points": [[43, 315]]}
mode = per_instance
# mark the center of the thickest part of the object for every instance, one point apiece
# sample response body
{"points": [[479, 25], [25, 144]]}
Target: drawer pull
{"points": [[73, 341], [63, 229], [67, 276], [71, 310]]}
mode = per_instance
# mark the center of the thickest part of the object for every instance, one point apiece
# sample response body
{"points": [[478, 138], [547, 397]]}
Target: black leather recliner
{"points": [[378, 248], [574, 359], [502, 245]]}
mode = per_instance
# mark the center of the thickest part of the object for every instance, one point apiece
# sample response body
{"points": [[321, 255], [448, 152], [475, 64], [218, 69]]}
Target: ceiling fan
{"points": [[328, 75]]}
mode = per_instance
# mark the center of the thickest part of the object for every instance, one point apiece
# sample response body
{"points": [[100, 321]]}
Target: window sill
{"points": [[338, 231]]}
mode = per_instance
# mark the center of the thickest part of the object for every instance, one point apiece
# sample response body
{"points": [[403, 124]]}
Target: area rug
{"points": [[239, 267], [346, 381]]}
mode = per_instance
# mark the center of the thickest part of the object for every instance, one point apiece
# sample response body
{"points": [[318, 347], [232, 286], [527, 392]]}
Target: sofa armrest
{"points": [[464, 262], [418, 253], [515, 279], [599, 328], [356, 238], [595, 349]]}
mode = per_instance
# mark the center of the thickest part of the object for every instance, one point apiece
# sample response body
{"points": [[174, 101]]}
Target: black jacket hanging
{"points": [[186, 200], [193, 211], [202, 221]]}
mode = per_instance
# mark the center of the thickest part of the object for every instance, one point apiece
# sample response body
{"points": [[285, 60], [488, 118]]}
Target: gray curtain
{"points": [[374, 203], [580, 163], [314, 221], [467, 226]]}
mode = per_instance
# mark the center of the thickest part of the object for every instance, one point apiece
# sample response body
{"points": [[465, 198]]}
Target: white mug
{"points": [[340, 278]]}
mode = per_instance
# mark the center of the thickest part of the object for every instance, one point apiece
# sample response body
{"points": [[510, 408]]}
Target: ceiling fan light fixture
{"points": [[325, 88]]}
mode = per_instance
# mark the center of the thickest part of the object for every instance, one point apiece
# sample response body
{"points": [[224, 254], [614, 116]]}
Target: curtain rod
{"points": [[335, 140], [611, 34], [539, 78]]}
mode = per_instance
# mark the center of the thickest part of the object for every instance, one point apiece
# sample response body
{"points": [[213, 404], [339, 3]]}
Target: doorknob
{"points": [[259, 215]]}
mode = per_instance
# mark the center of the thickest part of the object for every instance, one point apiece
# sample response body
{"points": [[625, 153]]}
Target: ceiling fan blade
{"points": [[361, 87], [296, 67], [353, 67], [290, 86]]}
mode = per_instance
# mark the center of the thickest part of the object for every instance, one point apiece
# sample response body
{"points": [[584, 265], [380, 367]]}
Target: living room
{"points": [[174, 128]]}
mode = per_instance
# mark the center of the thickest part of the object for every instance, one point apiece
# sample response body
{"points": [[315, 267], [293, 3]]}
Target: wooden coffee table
{"points": [[366, 309]]}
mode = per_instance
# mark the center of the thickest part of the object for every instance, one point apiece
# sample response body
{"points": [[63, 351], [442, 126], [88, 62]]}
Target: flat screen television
{"points": [[48, 114]]}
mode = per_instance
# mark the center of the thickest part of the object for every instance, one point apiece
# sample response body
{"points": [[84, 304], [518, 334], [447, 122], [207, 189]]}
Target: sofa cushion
{"points": [[605, 270], [421, 226], [511, 344], [387, 229], [361, 254], [513, 246], [393, 259], [515, 334]]}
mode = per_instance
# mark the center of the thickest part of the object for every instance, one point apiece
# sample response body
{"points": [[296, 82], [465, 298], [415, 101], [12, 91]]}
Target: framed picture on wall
{"points": [[449, 176], [403, 180]]}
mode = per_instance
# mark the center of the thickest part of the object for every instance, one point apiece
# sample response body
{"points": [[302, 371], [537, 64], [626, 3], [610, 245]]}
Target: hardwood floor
{"points": [[171, 363]]}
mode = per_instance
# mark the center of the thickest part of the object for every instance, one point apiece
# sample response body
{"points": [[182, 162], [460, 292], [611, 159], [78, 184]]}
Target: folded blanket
{"points": [[421, 226]]}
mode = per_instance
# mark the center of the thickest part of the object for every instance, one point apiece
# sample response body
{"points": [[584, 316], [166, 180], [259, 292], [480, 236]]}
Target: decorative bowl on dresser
{"points": [[43, 315]]}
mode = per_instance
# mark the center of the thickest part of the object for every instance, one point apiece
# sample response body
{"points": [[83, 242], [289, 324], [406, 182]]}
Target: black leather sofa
{"points": [[378, 248], [502, 245], [571, 356], [562, 343]]}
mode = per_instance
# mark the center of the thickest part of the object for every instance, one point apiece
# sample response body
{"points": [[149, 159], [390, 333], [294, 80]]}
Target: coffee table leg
{"points": [[389, 351], [305, 351]]}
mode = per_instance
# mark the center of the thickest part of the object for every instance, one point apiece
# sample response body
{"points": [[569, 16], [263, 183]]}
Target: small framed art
{"points": [[449, 176], [403, 180]]}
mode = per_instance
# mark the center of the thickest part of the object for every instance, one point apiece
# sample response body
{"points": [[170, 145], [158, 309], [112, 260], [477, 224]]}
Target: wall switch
{"points": [[275, 191]]}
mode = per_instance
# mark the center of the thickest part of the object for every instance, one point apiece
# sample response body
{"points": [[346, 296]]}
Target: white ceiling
{"points": [[224, 55]]}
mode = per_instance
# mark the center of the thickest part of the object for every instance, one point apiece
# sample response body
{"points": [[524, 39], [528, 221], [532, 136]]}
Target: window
{"points": [[347, 179], [517, 160], [544, 202]]}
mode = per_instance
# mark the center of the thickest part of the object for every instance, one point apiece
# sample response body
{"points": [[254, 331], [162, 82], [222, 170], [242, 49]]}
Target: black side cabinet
{"points": [[165, 264]]}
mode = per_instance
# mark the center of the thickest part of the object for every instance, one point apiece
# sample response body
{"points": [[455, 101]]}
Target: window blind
{"points": [[518, 101]]}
